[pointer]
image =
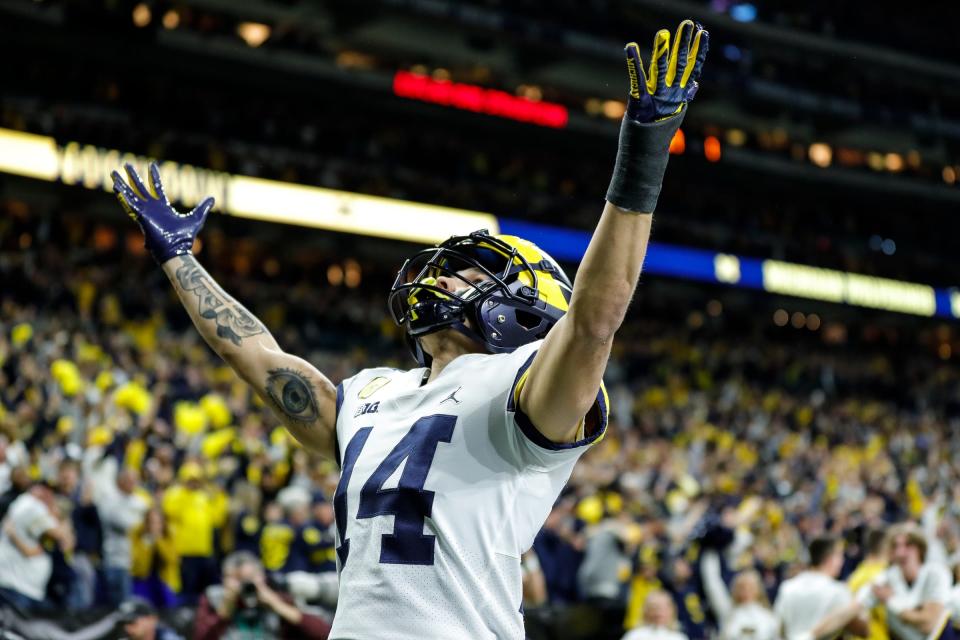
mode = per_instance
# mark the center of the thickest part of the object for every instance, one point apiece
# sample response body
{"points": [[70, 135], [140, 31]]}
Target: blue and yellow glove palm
{"points": [[671, 80], [167, 233]]}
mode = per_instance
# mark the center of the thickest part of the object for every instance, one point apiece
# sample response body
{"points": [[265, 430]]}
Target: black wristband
{"points": [[641, 162]]}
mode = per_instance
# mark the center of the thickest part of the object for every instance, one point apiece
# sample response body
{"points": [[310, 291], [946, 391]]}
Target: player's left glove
{"points": [[671, 79], [655, 108], [166, 232]]}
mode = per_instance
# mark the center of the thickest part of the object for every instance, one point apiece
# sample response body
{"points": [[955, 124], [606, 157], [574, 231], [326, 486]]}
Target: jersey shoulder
{"points": [[365, 384], [500, 366]]}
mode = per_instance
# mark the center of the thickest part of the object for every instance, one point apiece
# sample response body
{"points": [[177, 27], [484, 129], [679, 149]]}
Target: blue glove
{"points": [[167, 233], [671, 79]]}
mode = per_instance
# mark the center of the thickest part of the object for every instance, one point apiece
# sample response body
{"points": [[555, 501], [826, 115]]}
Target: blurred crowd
{"points": [[134, 464]]}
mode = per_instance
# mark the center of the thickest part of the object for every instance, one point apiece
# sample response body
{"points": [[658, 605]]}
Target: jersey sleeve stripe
{"points": [[336, 418], [530, 430], [514, 396]]}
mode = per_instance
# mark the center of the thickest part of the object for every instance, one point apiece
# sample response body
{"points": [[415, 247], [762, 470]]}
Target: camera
{"points": [[248, 598]]}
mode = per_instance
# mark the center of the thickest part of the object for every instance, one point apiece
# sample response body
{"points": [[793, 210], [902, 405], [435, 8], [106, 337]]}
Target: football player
{"points": [[449, 470]]}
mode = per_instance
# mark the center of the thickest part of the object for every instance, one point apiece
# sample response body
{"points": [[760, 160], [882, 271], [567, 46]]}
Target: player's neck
{"points": [[440, 361], [444, 347]]}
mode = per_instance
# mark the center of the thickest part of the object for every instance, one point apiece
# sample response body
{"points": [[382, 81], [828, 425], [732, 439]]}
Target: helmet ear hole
{"points": [[528, 320]]}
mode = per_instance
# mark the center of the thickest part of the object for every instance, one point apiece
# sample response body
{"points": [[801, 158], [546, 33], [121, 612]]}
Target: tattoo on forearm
{"points": [[234, 323], [292, 393]]}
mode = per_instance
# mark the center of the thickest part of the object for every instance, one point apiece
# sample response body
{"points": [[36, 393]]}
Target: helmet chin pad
{"points": [[434, 314]]}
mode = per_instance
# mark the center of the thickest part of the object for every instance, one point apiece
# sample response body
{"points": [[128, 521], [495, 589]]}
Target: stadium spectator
{"points": [[193, 513], [953, 604], [534, 585], [140, 621], [743, 611], [873, 564], [659, 620], [684, 586], [245, 606], [18, 482], [804, 600], [559, 546], [76, 499], [25, 566], [121, 510], [275, 537], [914, 593], [605, 570], [312, 547], [156, 564], [324, 559]]}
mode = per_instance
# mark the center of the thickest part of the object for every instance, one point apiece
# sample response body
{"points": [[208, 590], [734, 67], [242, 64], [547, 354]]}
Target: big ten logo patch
{"points": [[364, 409]]}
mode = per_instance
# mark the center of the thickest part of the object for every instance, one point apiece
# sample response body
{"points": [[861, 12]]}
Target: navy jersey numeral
{"points": [[409, 503], [340, 497]]}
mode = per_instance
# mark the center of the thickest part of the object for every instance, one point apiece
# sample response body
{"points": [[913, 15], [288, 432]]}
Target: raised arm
{"points": [[717, 595], [301, 397], [564, 377]]}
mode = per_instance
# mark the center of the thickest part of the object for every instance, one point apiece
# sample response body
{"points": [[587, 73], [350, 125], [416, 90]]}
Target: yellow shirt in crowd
{"points": [[863, 575], [193, 516], [160, 555]]}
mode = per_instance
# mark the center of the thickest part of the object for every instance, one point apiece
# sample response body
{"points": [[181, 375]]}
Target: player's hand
{"points": [[671, 79], [167, 233]]}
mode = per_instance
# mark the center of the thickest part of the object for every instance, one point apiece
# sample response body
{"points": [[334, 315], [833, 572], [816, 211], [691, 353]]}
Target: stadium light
{"points": [[253, 33], [711, 148], [736, 137], [335, 275], [614, 109], [821, 154], [531, 92], [743, 12], [141, 15], [893, 162], [171, 19], [678, 144]]}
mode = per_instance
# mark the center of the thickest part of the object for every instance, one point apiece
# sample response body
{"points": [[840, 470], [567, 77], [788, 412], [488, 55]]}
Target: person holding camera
{"points": [[245, 606]]}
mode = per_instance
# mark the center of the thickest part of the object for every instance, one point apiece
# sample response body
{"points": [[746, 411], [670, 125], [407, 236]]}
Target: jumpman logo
{"points": [[452, 396]]}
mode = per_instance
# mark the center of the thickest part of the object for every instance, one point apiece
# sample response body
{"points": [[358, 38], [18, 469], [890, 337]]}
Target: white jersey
{"points": [[805, 599], [443, 486], [932, 585], [649, 632], [953, 605], [750, 621], [30, 519]]}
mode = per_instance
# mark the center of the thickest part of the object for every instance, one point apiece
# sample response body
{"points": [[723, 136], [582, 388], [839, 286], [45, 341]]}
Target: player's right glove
{"points": [[167, 233], [655, 108]]}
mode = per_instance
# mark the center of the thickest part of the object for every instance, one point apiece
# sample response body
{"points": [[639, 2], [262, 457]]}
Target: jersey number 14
{"points": [[409, 503]]}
